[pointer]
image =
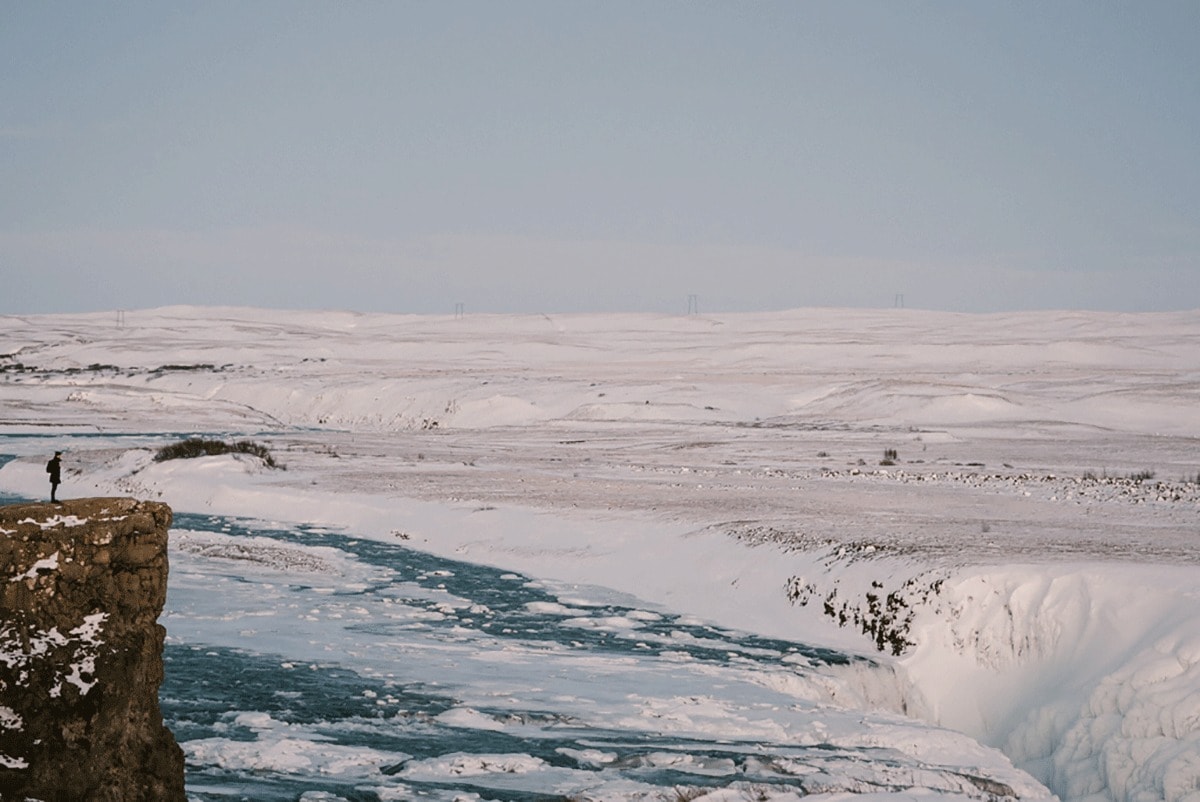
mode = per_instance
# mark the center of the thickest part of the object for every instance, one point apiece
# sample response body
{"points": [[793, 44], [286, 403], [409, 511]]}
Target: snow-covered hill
{"points": [[1027, 561]]}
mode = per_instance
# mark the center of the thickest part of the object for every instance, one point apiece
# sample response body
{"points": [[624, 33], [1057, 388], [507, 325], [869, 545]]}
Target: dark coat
{"points": [[54, 468]]}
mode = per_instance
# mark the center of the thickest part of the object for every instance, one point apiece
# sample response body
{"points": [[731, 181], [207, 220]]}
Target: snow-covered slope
{"points": [[1015, 561]]}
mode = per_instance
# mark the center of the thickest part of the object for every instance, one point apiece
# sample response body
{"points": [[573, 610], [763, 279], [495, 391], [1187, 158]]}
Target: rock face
{"points": [[82, 584]]}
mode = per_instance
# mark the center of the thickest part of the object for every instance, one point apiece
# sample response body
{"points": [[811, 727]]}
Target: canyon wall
{"points": [[82, 584]]}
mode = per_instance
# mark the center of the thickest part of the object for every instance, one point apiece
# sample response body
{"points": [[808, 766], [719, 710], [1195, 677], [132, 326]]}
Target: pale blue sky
{"points": [[600, 156]]}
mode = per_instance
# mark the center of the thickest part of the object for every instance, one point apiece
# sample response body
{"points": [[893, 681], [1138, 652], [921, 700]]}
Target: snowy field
{"points": [[712, 582]]}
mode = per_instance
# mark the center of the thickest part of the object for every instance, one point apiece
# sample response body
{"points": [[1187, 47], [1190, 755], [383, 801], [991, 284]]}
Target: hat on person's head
{"points": [[58, 453]]}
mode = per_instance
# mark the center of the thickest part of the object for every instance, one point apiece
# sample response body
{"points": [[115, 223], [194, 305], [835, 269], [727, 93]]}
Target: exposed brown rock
{"points": [[82, 584]]}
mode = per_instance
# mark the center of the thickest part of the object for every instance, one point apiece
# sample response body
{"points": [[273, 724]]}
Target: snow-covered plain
{"points": [[1014, 575]]}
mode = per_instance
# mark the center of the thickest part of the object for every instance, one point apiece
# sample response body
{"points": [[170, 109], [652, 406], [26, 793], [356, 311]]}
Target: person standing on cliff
{"points": [[54, 468]]}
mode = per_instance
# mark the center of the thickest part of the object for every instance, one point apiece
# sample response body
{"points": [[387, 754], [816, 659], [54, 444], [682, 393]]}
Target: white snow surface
{"points": [[22, 650], [44, 565], [1041, 596]]}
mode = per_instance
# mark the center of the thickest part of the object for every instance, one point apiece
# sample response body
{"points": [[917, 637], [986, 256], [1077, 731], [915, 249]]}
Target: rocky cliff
{"points": [[82, 584]]}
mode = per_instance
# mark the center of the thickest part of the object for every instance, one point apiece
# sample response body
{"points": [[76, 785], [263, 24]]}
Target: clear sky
{"points": [[574, 155]]}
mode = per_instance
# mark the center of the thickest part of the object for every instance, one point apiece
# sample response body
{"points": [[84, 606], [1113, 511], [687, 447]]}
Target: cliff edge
{"points": [[82, 584]]}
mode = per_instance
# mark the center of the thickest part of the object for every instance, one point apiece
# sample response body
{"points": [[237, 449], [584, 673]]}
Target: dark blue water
{"points": [[509, 602], [342, 706], [202, 683]]}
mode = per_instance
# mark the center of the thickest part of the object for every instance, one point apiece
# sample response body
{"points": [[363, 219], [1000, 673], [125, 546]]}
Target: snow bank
{"points": [[1085, 674]]}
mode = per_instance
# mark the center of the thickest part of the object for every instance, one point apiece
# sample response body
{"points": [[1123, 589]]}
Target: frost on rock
{"points": [[11, 722], [82, 674], [57, 660], [40, 567], [56, 521]]}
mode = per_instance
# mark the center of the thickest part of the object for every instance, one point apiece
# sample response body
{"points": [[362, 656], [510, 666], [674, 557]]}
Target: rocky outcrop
{"points": [[82, 584]]}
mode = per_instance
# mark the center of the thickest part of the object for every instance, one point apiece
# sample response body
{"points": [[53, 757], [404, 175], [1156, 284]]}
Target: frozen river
{"points": [[304, 661]]}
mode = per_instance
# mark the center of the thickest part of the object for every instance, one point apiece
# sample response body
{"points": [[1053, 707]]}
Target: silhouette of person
{"points": [[54, 468]]}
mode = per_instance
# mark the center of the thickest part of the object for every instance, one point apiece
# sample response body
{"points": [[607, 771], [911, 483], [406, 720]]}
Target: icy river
{"points": [[303, 660], [310, 663]]}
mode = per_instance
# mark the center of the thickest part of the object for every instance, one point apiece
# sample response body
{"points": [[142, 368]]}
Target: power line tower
{"points": [[693, 304], [898, 303]]}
